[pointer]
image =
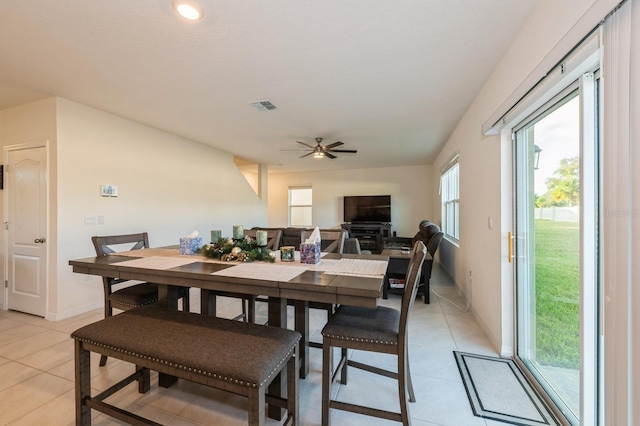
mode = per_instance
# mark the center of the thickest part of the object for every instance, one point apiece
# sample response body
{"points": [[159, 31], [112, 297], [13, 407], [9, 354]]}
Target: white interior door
{"points": [[26, 228]]}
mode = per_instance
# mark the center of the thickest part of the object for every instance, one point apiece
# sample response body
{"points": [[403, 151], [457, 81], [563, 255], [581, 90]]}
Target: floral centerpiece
{"points": [[242, 250]]}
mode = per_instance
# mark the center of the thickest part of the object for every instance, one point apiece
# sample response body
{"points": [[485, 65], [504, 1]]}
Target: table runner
{"points": [[348, 267], [157, 262], [262, 271], [356, 268], [167, 252]]}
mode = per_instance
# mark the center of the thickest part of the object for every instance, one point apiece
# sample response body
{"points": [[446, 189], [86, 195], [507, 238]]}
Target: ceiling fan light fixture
{"points": [[318, 154]]}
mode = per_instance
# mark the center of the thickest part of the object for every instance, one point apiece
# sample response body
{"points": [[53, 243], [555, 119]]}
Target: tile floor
{"points": [[36, 373]]}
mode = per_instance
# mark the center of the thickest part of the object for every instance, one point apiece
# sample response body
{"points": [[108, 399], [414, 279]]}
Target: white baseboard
{"points": [[73, 312]]}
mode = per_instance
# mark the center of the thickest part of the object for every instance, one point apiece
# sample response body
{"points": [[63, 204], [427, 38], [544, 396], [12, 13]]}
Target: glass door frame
{"points": [[587, 87]]}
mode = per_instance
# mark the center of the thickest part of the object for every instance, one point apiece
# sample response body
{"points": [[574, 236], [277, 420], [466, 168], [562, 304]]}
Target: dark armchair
{"points": [[431, 236]]}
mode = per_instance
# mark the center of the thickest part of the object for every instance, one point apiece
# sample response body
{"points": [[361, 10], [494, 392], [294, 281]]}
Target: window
{"points": [[450, 198], [300, 205]]}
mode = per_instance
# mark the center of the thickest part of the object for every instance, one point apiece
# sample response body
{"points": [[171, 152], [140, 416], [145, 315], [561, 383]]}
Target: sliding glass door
{"points": [[555, 240]]}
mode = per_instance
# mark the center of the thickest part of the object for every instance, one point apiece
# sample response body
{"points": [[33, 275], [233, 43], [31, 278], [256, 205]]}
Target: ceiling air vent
{"points": [[263, 105]]}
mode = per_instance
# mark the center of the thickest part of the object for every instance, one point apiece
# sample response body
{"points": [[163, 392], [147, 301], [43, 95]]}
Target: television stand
{"points": [[369, 235]]}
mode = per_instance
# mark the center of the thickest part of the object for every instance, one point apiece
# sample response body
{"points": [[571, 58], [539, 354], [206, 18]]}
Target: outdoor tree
{"points": [[563, 187]]}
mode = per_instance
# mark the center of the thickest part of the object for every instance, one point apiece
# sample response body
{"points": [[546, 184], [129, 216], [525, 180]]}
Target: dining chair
{"points": [[331, 240], [131, 296], [381, 329], [352, 246], [274, 236]]}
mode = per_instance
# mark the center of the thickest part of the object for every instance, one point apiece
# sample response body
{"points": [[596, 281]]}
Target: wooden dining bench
{"points": [[237, 357]]}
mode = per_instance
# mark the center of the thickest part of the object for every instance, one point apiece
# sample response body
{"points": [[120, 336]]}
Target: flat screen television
{"points": [[367, 209]]}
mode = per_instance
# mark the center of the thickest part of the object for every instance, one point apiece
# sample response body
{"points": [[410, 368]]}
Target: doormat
{"points": [[498, 390]]}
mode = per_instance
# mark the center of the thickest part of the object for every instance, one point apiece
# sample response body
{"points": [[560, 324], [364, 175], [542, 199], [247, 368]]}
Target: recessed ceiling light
{"points": [[188, 10]]}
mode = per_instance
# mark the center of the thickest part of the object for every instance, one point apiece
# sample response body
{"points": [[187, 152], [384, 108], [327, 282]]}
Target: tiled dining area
{"points": [[37, 372]]}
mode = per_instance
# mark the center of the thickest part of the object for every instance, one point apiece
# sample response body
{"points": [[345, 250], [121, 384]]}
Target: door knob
{"points": [[39, 240]]}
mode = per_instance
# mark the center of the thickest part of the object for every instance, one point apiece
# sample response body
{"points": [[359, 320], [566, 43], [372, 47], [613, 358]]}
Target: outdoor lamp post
{"points": [[536, 156]]}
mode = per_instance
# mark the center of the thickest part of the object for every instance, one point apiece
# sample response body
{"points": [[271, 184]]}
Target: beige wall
{"points": [[168, 186], [411, 194], [485, 180]]}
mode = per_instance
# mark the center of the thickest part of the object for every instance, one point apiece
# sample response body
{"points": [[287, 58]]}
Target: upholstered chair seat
{"points": [[356, 324]]}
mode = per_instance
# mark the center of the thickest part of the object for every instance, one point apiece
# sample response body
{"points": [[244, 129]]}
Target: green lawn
{"points": [[557, 293]]}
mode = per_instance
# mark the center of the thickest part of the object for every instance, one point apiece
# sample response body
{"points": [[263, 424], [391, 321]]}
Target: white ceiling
{"points": [[389, 78]]}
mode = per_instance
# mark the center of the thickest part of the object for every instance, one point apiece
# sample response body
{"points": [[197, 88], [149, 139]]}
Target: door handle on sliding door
{"points": [[510, 246]]}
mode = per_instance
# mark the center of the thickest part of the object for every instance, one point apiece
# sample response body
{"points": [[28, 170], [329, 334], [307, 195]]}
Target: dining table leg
{"points": [[277, 313], [301, 318], [208, 302], [168, 296]]}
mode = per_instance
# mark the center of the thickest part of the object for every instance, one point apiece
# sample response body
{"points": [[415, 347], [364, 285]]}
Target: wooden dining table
{"points": [[339, 279]]}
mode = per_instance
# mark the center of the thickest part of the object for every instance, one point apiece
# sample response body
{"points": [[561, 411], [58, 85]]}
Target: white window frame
{"points": [[293, 206], [450, 199]]}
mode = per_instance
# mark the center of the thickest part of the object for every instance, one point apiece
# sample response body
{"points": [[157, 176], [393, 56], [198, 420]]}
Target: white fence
{"points": [[558, 214]]}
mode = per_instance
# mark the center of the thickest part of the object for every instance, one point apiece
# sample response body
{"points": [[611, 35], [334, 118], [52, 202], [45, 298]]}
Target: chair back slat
{"points": [[274, 236], [332, 240], [103, 245], [414, 270]]}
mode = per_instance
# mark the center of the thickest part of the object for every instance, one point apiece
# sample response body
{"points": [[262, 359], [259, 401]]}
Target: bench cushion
{"points": [[241, 353]]}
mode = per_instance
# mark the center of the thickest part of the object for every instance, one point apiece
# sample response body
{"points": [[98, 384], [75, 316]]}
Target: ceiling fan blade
{"points": [[306, 155], [328, 154], [298, 150], [306, 144], [350, 151], [333, 145]]}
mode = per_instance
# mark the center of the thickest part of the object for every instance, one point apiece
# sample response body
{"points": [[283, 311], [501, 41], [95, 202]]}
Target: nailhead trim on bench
{"points": [[191, 369], [150, 302]]}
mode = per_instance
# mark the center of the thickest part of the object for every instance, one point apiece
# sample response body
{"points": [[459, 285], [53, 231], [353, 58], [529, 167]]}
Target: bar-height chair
{"points": [[352, 246], [248, 301], [382, 330], [131, 296], [274, 236], [332, 241]]}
